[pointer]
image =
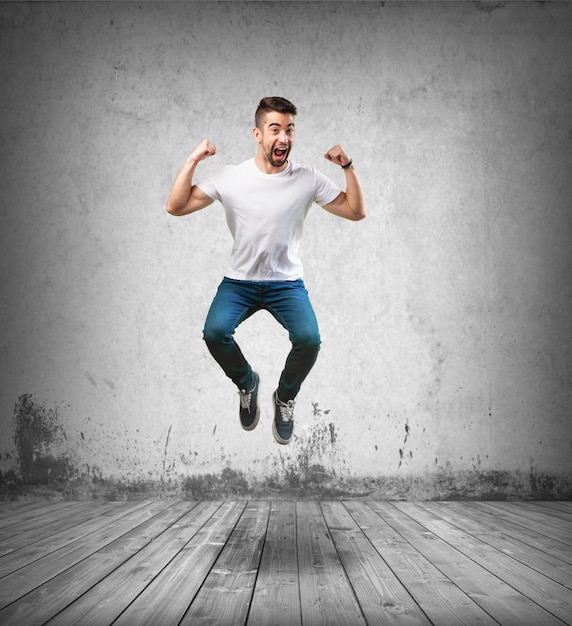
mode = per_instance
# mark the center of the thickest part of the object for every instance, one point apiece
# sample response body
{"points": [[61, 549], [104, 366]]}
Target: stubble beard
{"points": [[278, 162]]}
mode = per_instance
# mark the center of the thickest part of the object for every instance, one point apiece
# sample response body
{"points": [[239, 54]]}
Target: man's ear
{"points": [[257, 134]]}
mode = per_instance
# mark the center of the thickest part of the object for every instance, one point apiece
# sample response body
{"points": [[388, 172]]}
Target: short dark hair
{"points": [[272, 103]]}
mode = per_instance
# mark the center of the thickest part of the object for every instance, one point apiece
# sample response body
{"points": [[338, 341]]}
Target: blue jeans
{"points": [[288, 302]]}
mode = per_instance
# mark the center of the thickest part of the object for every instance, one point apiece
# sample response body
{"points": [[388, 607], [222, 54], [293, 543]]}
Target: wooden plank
{"points": [[381, 596], [59, 592], [495, 596], [31, 516], [442, 600], [225, 596], [103, 530], [493, 535], [529, 537], [564, 517], [168, 596], [15, 507], [455, 560], [276, 600], [500, 509], [325, 592], [104, 602], [44, 517], [24, 509], [538, 515], [558, 505], [42, 525], [553, 597], [28, 554]]}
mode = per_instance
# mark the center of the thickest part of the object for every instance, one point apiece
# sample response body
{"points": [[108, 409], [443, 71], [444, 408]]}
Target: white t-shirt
{"points": [[265, 214]]}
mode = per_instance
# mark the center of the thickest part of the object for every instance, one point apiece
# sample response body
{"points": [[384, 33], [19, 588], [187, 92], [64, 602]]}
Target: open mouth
{"points": [[280, 153]]}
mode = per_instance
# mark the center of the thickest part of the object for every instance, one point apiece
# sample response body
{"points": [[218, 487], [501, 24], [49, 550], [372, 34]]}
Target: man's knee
{"points": [[215, 334], [308, 341]]}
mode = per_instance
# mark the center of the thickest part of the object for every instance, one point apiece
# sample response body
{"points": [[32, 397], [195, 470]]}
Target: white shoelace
{"points": [[286, 410], [245, 398]]}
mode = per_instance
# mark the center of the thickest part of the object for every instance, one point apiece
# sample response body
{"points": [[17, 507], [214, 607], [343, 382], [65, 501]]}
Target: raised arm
{"points": [[185, 197], [351, 203]]}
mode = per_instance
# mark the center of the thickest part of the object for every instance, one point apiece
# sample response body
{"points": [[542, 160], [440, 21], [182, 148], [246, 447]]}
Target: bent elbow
{"points": [[356, 212], [360, 215], [172, 210]]}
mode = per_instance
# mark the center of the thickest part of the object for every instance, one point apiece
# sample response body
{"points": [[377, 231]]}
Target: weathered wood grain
{"points": [[286, 563], [276, 600], [326, 594]]}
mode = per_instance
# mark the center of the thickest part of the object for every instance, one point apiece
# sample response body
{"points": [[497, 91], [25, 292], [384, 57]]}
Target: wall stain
{"points": [[36, 430], [314, 451], [333, 434], [165, 454], [312, 467], [317, 410], [402, 450], [488, 6], [228, 484], [317, 484], [90, 379]]}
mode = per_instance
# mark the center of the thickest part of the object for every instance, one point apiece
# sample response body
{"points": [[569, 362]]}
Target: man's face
{"points": [[276, 137]]}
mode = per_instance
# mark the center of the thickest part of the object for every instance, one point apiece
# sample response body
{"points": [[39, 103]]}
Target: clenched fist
{"points": [[204, 150], [337, 155]]}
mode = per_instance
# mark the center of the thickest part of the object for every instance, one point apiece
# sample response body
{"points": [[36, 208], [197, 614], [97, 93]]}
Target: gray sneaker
{"points": [[249, 409], [283, 425]]}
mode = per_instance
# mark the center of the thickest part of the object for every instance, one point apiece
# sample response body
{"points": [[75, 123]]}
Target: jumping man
{"points": [[266, 200]]}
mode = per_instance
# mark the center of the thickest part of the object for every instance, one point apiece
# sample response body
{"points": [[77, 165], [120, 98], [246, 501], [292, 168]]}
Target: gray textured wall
{"points": [[446, 364]]}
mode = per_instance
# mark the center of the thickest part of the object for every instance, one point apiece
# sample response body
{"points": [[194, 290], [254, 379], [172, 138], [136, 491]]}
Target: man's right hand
{"points": [[204, 150], [185, 197]]}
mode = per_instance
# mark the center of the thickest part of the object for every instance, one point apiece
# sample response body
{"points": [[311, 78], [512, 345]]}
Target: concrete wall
{"points": [[446, 364]]}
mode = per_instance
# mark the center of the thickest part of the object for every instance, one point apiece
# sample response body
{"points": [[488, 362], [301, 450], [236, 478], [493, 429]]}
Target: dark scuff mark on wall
{"points": [[317, 410], [333, 434], [488, 6], [165, 455], [402, 450]]}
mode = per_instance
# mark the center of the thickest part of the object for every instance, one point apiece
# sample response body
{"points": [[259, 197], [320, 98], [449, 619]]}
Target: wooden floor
{"points": [[283, 562]]}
